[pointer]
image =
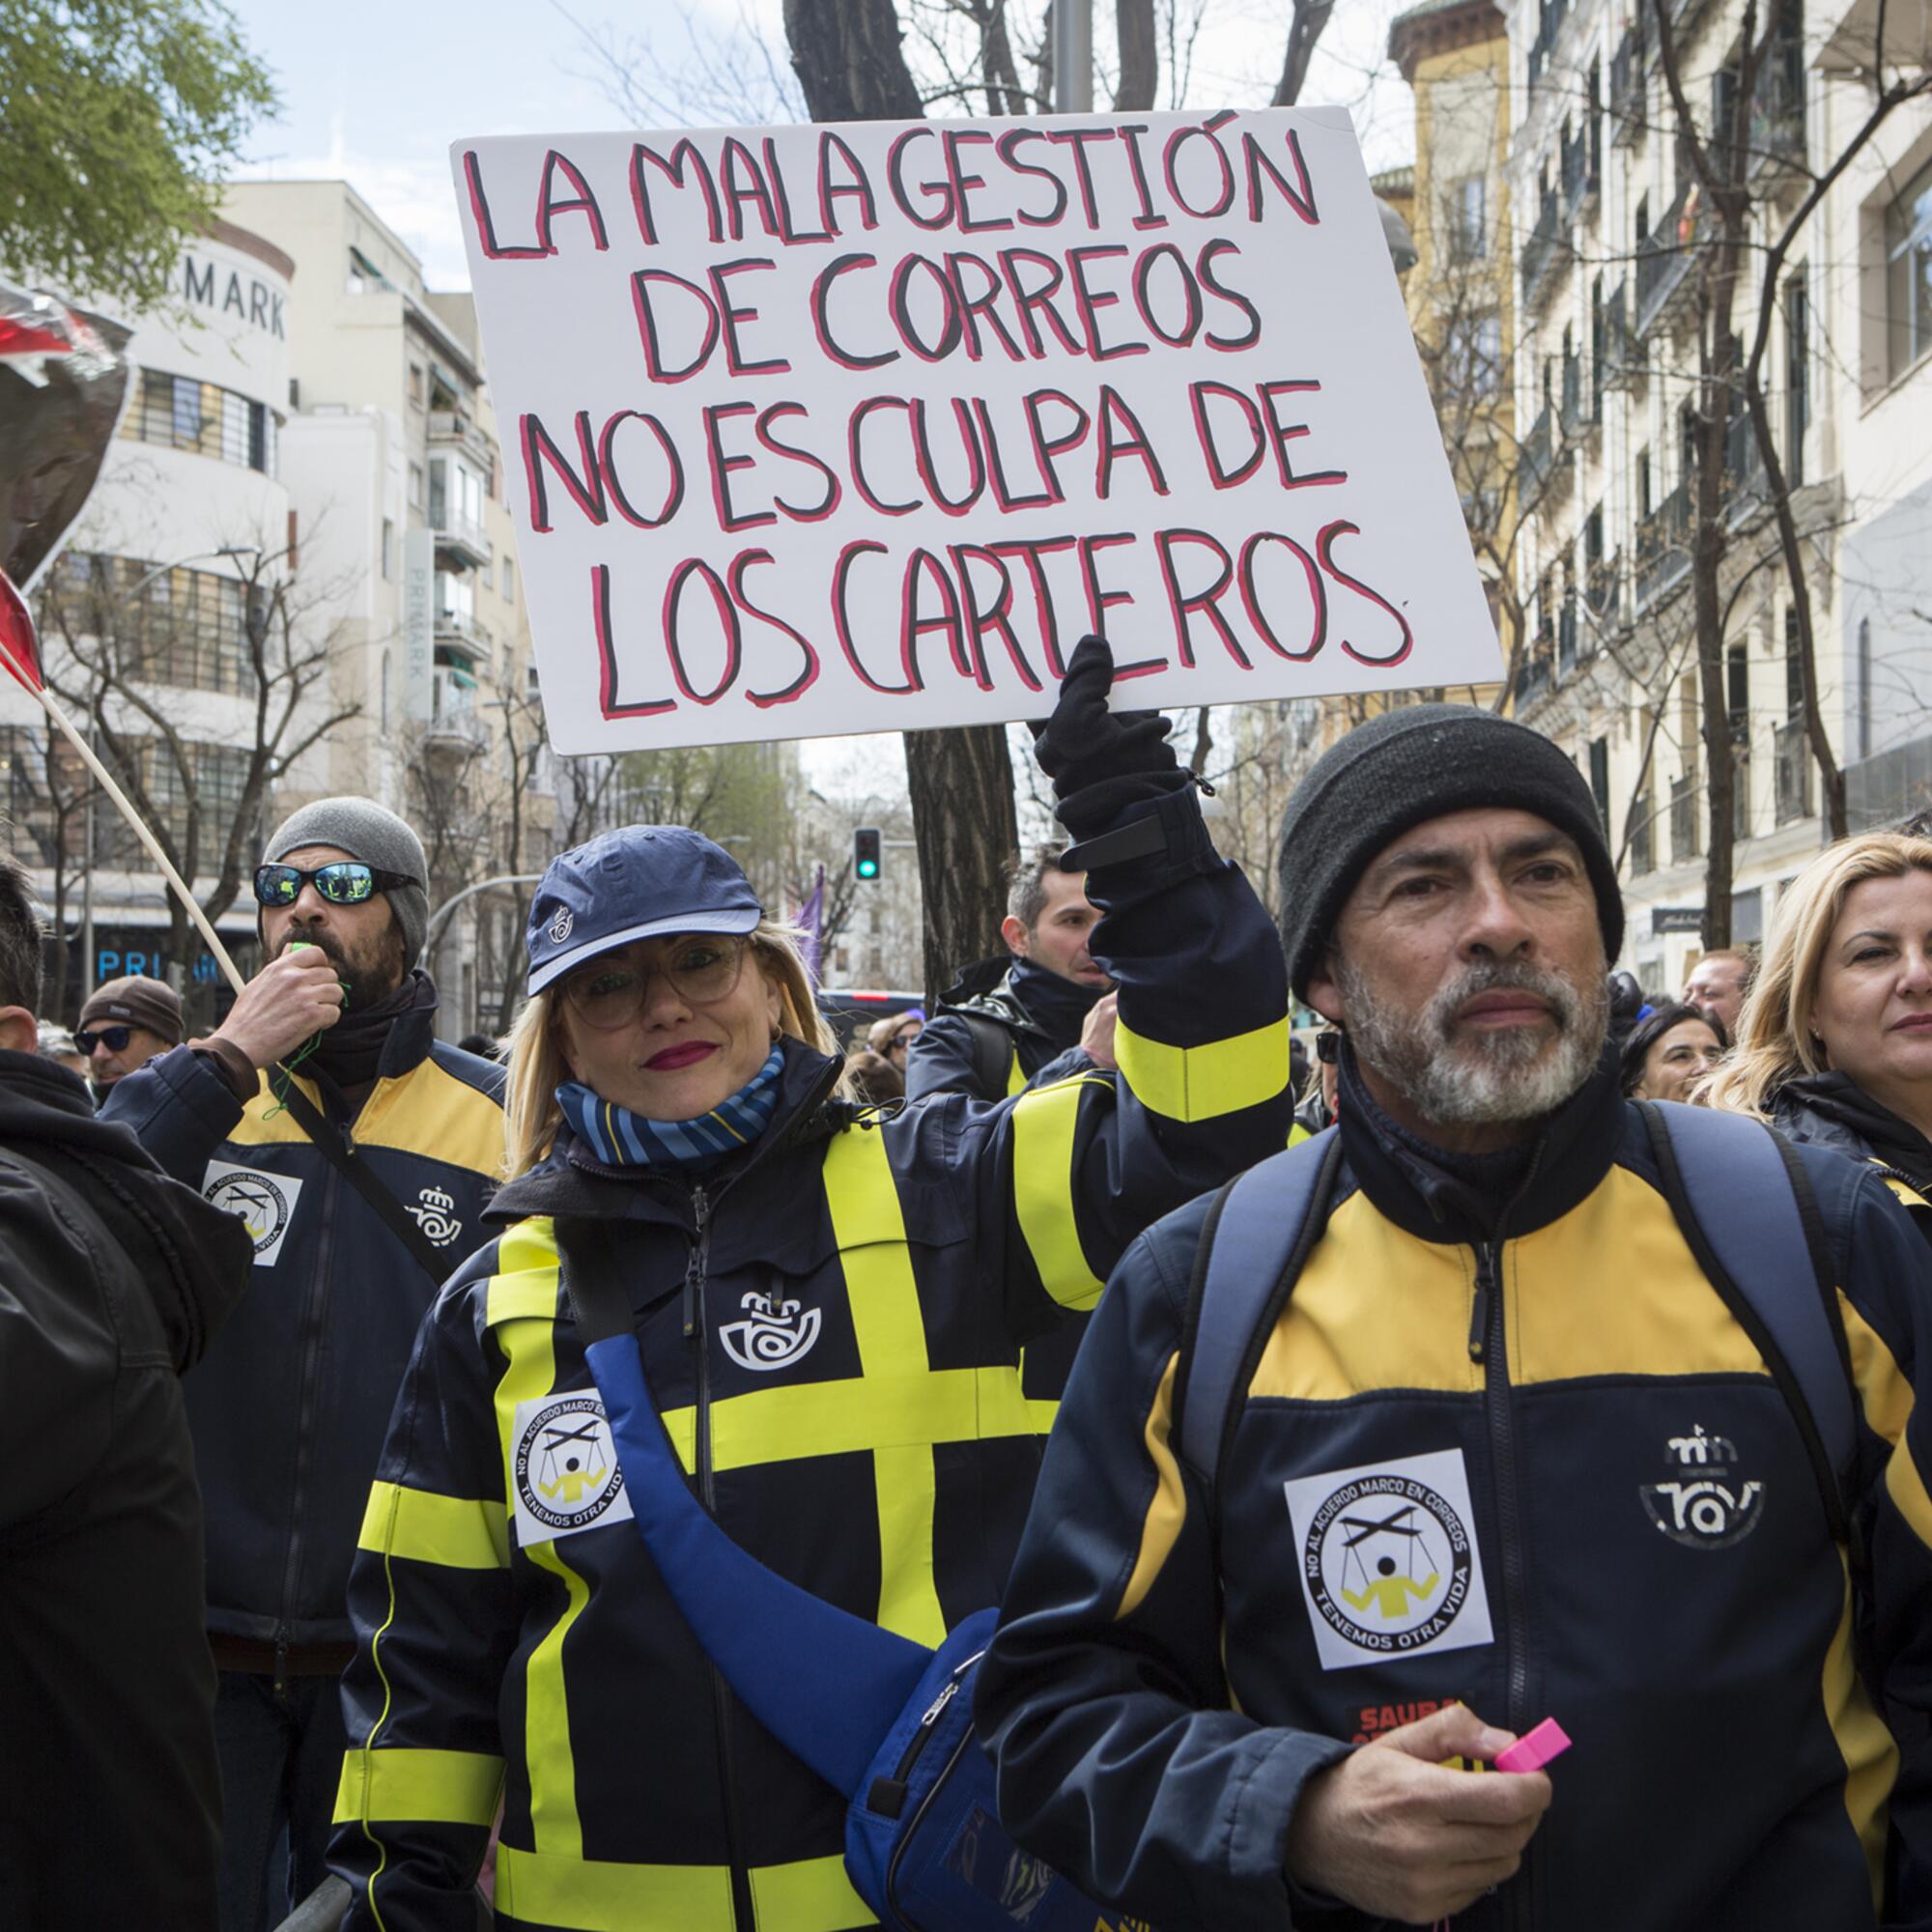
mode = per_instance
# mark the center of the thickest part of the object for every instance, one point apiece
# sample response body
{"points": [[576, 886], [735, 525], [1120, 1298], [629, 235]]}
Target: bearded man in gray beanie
{"points": [[360, 1152], [1504, 1399]]}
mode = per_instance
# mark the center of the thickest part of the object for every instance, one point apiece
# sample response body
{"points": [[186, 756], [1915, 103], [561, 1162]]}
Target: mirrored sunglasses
{"points": [[342, 882]]}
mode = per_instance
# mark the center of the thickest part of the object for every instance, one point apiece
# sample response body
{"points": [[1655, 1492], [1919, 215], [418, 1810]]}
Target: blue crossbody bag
{"points": [[883, 1721]]}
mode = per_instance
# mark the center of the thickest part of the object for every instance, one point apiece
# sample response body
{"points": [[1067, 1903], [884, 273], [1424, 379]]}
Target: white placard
{"points": [[860, 428]]}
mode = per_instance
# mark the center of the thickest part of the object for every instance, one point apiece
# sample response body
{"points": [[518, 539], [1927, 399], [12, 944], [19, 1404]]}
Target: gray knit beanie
{"points": [[1419, 763], [365, 831]]}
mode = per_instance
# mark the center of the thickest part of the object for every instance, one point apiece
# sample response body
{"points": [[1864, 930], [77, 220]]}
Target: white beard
{"points": [[1485, 1077]]}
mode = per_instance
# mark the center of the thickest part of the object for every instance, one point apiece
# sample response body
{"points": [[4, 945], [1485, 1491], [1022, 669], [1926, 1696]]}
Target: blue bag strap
{"points": [[1744, 1203], [753, 1625], [1253, 1243]]}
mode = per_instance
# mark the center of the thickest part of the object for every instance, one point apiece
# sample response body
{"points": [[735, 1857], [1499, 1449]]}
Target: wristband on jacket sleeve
{"points": [[234, 1066]]}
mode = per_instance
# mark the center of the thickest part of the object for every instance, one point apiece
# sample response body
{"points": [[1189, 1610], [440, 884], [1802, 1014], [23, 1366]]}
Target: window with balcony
{"points": [[1908, 284]]}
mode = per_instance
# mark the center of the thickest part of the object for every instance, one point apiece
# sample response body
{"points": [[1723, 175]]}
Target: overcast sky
{"points": [[374, 92]]}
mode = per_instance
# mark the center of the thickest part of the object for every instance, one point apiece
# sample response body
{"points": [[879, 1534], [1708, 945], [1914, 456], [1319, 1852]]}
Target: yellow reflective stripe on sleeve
{"points": [[869, 1227], [1866, 1745], [807, 1895], [591, 1896], [1015, 1075], [1881, 1383], [428, 1787], [1202, 1083], [1167, 1511], [529, 1285], [1043, 1129], [457, 1532]]}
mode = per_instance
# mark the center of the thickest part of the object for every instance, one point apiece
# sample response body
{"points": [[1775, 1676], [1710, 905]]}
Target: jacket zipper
{"points": [[742, 1913], [312, 1320], [1488, 1345]]}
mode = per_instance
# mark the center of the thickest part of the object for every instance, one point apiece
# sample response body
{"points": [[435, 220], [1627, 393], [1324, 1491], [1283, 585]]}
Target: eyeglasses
{"points": [[901, 1042], [114, 1038], [343, 882], [610, 993]]}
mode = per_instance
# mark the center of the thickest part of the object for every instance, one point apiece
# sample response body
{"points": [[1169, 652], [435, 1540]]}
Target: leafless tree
{"points": [[122, 658]]}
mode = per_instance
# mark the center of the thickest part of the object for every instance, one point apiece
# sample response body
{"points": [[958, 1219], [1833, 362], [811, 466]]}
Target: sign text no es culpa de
{"points": [[860, 428]]}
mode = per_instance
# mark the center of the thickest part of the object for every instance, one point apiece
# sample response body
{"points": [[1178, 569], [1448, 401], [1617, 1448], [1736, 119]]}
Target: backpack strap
{"points": [[1256, 1237], [995, 1055], [1744, 1203]]}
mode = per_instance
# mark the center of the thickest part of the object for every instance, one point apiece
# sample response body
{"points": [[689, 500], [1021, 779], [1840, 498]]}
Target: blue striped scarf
{"points": [[621, 1138]]}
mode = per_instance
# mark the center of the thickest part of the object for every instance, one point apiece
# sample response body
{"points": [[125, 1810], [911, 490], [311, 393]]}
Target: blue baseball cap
{"points": [[638, 882]]}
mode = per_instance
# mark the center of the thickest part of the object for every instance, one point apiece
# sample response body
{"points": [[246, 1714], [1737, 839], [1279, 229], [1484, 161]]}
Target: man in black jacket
{"points": [[113, 1280], [1004, 1020]]}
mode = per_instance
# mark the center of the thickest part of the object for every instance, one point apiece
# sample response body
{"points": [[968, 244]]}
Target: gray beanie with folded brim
{"points": [[372, 834], [1401, 768]]}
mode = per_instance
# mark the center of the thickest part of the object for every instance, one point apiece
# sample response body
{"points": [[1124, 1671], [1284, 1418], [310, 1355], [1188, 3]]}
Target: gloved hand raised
{"points": [[1102, 761]]}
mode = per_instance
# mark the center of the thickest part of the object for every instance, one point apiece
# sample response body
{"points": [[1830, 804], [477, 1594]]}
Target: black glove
{"points": [[1102, 761]]}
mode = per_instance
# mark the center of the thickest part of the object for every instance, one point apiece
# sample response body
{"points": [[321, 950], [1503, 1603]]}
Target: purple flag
{"points": [[809, 919]]}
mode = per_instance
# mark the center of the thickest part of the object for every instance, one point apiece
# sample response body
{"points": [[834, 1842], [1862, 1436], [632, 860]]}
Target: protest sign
{"points": [[860, 428]]}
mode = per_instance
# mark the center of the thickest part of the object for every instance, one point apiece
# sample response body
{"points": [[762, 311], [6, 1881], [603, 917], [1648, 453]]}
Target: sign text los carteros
{"points": [[861, 428]]}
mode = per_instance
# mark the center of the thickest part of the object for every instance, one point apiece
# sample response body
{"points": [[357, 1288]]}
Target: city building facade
{"points": [[174, 584], [1622, 247]]}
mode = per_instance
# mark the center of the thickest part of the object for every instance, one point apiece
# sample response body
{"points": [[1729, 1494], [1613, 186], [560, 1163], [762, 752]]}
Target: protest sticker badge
{"points": [[861, 428]]}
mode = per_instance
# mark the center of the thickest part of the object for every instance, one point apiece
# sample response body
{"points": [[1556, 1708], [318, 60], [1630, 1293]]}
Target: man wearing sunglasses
{"points": [[360, 1151], [123, 1026]]}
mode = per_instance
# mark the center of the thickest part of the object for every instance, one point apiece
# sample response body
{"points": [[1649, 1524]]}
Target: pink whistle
{"points": [[1535, 1748]]}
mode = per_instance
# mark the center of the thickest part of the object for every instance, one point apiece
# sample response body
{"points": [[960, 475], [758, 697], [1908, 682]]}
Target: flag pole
{"points": [[78, 739]]}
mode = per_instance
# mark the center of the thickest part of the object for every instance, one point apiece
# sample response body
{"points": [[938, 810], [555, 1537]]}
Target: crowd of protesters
{"points": [[1319, 1420]]}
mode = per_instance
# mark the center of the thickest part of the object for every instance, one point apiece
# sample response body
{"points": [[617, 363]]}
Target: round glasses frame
{"points": [[610, 993]]}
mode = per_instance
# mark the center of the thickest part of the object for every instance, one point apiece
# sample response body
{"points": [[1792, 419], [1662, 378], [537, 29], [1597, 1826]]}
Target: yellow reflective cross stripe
{"points": [[455, 1531], [593, 1895], [1044, 1127], [1015, 1075], [427, 1787], [807, 1895], [525, 1287], [883, 1297], [1202, 1083]]}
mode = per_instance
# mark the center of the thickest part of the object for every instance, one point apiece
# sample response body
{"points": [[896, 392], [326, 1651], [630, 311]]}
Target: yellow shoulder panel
{"points": [[265, 1120], [432, 1113], [1613, 1289], [1375, 1308]]}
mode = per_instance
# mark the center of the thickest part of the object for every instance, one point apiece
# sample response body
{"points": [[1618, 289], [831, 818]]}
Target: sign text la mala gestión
{"points": [[860, 428]]}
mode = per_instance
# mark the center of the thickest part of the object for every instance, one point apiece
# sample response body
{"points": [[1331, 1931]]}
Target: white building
{"points": [[1610, 234], [392, 450], [177, 557]]}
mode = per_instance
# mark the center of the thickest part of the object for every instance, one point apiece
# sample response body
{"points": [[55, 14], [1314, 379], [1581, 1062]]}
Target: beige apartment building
{"points": [[391, 448], [1612, 238]]}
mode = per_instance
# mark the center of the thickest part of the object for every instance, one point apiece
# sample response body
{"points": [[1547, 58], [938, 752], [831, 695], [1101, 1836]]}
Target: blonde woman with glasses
{"points": [[829, 1302], [1834, 1042]]}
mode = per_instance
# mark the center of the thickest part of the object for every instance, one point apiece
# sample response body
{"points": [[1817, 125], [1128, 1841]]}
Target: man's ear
{"points": [[20, 1031], [1019, 941], [1325, 991]]}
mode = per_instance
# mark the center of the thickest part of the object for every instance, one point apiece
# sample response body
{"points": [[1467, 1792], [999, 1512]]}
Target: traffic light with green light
{"points": [[866, 853]]}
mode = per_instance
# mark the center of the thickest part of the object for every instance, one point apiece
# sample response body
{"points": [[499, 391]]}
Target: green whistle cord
{"points": [[286, 1067]]}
